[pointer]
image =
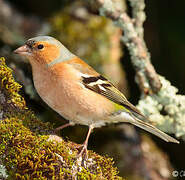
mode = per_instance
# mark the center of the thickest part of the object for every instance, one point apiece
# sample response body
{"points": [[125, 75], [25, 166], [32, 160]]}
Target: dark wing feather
{"points": [[108, 90]]}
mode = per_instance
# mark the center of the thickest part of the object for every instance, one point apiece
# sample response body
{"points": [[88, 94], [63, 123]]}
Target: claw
{"points": [[83, 153]]}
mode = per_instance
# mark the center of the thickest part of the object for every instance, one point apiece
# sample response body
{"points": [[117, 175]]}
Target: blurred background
{"points": [[95, 39]]}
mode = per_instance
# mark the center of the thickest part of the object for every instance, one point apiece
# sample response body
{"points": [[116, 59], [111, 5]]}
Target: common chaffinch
{"points": [[76, 91]]}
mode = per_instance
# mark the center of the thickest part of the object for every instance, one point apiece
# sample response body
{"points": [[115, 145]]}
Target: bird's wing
{"points": [[101, 85]]}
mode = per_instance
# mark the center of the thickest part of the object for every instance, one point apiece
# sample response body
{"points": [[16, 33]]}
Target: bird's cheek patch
{"points": [[50, 53]]}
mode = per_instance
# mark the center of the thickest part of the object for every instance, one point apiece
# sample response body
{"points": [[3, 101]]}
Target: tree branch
{"points": [[138, 15], [134, 41]]}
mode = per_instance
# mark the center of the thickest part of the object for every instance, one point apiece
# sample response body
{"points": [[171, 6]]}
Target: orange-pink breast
{"points": [[59, 86]]}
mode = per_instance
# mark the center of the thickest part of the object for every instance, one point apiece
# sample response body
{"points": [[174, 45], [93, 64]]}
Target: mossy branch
{"points": [[29, 150], [160, 101]]}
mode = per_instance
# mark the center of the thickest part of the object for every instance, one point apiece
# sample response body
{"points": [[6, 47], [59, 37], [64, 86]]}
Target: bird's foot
{"points": [[83, 151]]}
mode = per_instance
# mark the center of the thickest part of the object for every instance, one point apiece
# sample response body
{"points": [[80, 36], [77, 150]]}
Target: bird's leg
{"points": [[63, 126], [84, 145]]}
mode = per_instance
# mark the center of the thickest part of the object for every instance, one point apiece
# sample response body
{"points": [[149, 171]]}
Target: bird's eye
{"points": [[40, 46]]}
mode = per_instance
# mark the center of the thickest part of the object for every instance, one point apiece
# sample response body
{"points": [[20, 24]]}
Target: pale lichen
{"points": [[3, 172], [166, 109]]}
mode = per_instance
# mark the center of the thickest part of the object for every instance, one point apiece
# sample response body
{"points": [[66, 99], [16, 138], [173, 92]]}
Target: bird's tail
{"points": [[148, 127]]}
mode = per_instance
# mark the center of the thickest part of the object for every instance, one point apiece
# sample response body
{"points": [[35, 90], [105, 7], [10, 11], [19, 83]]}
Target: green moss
{"points": [[9, 87], [27, 154], [28, 151]]}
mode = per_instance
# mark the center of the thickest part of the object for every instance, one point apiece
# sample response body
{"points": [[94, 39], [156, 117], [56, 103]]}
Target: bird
{"points": [[77, 92]]}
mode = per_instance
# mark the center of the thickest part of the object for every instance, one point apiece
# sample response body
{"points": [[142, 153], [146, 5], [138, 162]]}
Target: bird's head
{"points": [[44, 50]]}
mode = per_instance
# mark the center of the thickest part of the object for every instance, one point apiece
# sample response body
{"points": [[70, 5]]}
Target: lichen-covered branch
{"points": [[138, 15], [29, 150], [160, 101], [166, 109], [146, 75]]}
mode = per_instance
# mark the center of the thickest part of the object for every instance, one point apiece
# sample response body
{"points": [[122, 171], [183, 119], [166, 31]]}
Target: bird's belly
{"points": [[73, 102]]}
